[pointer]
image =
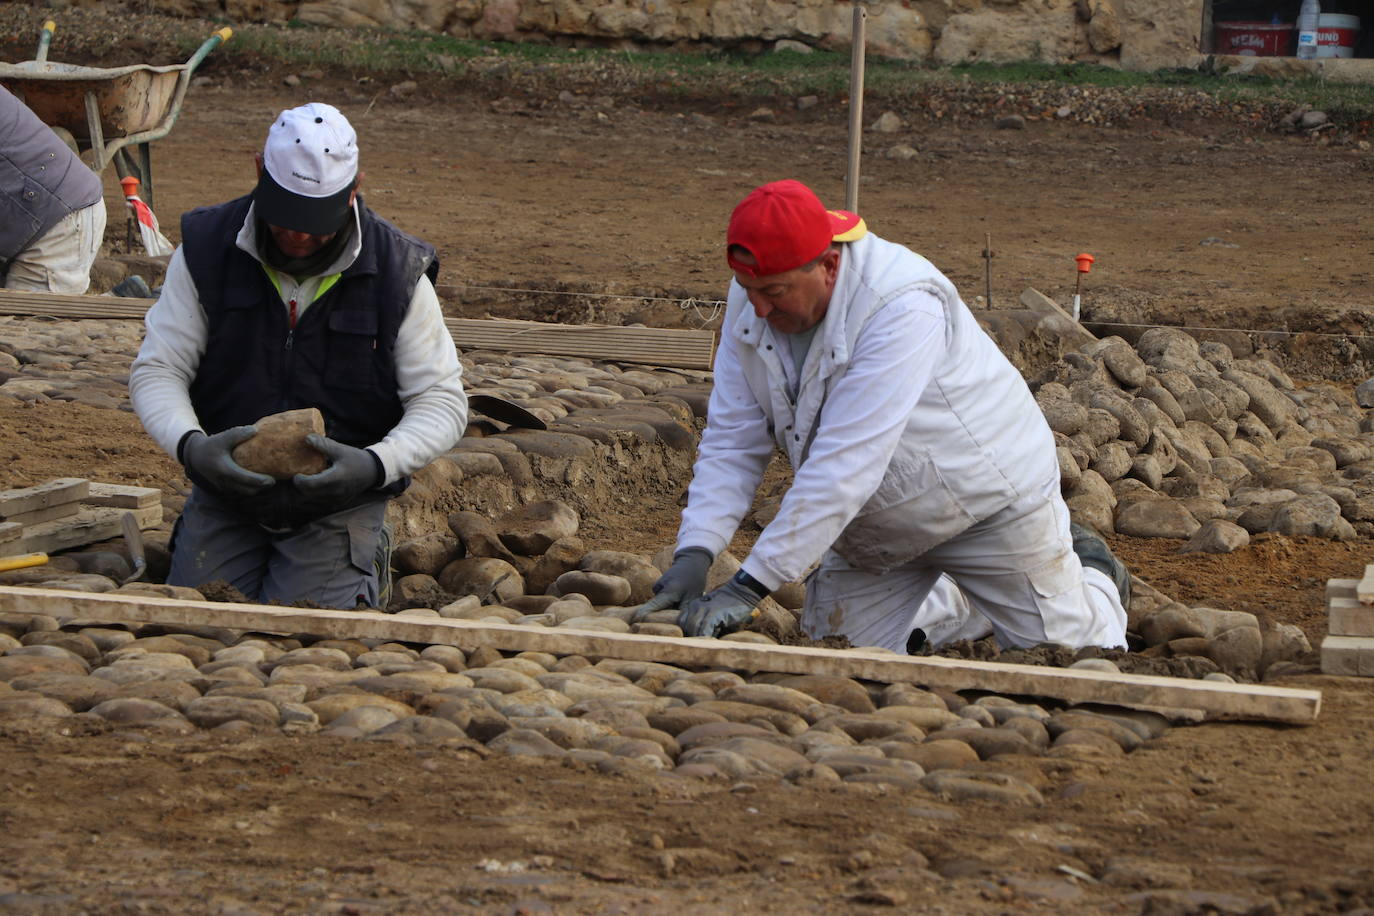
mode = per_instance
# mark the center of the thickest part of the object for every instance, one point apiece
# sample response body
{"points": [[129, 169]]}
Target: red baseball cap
{"points": [[784, 225]]}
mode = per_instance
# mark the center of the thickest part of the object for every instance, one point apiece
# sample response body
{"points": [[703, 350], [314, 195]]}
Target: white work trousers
{"points": [[59, 261], [1014, 574]]}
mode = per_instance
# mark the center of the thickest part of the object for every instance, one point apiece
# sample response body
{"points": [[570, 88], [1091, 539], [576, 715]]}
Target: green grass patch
{"points": [[733, 77]]}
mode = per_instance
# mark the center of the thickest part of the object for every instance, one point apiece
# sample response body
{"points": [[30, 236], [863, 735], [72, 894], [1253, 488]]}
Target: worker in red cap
{"points": [[926, 488]]}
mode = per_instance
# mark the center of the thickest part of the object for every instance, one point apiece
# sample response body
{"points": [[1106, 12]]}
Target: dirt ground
{"points": [[623, 196]]}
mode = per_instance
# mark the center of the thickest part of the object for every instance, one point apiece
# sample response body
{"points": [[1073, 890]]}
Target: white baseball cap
{"points": [[310, 164]]}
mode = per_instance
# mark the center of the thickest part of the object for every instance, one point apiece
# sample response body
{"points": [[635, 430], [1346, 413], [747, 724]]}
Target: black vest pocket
{"points": [[351, 363]]}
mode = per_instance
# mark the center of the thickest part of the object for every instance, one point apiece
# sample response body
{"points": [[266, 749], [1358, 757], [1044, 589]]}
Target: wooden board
{"points": [[51, 493], [10, 533], [90, 524], [57, 305], [46, 514], [648, 346], [1350, 656], [120, 496], [1037, 301], [1215, 699]]}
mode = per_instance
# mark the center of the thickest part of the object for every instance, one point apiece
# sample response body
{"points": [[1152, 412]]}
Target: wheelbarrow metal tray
{"points": [[131, 100]]}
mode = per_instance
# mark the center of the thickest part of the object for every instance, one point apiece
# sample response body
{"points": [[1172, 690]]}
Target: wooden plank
{"points": [[1348, 617], [1365, 589], [649, 346], [11, 538], [1216, 699], [1350, 656], [51, 493], [675, 347], [57, 305], [38, 516], [121, 496], [90, 524], [1037, 301]]}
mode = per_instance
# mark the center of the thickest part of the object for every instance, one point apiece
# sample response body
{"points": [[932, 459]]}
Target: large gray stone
{"points": [[1217, 536], [531, 529], [598, 588], [1156, 518], [1313, 514], [209, 712]]}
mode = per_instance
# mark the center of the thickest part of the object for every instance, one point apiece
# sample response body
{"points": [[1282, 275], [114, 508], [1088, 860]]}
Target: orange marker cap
{"points": [[130, 185], [1085, 262]]}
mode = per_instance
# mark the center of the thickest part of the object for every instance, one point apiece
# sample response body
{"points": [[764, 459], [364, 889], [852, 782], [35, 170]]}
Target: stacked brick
{"points": [[1348, 648]]}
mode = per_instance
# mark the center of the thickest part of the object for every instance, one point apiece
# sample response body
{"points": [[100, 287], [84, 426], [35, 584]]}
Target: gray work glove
{"points": [[684, 581], [211, 459], [351, 472], [725, 609]]}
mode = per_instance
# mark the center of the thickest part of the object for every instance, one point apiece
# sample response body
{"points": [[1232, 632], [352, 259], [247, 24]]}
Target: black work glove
{"points": [[351, 472], [684, 581], [725, 609], [211, 459]]}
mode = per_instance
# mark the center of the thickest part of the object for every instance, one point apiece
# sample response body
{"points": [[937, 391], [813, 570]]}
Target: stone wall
{"points": [[1137, 34]]}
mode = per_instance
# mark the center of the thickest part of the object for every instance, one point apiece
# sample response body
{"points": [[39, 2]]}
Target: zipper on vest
{"points": [[291, 316]]}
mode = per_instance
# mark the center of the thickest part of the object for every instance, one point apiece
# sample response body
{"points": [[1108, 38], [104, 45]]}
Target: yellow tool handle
{"points": [[20, 562]]}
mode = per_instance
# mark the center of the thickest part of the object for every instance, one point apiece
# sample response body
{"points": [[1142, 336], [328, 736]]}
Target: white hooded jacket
{"points": [[908, 426]]}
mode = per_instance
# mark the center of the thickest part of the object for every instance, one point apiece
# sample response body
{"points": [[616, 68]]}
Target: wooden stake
{"points": [[1215, 700], [856, 108]]}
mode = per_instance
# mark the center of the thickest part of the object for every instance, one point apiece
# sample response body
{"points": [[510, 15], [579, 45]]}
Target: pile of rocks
{"points": [[529, 567], [1178, 439], [615, 716]]}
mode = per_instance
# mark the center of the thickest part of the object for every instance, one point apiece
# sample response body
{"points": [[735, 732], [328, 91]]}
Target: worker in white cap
{"points": [[298, 295], [925, 495]]}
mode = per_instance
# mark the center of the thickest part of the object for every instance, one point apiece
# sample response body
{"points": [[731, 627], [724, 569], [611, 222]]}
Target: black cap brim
{"points": [[315, 215]]}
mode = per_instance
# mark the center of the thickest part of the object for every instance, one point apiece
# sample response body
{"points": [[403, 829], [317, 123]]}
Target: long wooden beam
{"points": [[649, 346], [677, 347], [1215, 700], [57, 305]]}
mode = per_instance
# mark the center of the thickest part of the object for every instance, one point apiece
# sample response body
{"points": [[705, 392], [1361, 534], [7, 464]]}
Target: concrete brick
{"points": [[1348, 617], [1341, 588], [1350, 656]]}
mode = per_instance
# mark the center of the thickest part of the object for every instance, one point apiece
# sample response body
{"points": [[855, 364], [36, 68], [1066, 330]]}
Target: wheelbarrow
{"points": [[109, 112]]}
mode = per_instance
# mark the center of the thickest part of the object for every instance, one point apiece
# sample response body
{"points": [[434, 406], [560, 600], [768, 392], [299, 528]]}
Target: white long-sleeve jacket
{"points": [[908, 426], [428, 373]]}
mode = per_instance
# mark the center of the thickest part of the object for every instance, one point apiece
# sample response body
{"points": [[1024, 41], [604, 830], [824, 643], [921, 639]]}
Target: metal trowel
{"points": [[133, 543], [504, 411]]}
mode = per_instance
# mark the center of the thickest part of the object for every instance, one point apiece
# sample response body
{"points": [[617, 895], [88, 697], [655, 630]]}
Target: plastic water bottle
{"points": [[1308, 19]]}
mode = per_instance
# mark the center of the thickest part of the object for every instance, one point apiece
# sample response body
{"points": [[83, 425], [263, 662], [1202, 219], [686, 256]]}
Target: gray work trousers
{"points": [[330, 562]]}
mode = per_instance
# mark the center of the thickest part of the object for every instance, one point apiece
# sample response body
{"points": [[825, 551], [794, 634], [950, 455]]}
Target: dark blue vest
{"points": [[340, 357]]}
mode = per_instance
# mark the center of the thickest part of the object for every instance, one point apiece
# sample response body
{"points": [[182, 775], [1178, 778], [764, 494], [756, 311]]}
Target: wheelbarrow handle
{"points": [[44, 40], [214, 41]]}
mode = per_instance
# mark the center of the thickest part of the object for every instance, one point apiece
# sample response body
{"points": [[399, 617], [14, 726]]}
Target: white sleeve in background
{"points": [[429, 380], [173, 344], [865, 414], [735, 449]]}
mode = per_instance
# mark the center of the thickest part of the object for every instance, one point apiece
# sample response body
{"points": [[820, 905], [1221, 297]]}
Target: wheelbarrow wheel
{"points": [[68, 138]]}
